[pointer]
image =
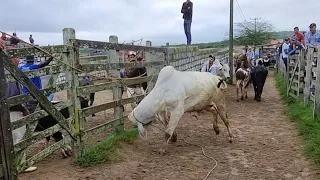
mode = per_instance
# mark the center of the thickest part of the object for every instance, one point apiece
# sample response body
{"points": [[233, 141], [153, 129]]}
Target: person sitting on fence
{"points": [[312, 37], [210, 66], [36, 80], [295, 46], [4, 37], [298, 35], [285, 48], [13, 40], [135, 89], [16, 113]]}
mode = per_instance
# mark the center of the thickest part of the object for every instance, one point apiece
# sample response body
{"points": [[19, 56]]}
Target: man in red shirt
{"points": [[299, 35]]}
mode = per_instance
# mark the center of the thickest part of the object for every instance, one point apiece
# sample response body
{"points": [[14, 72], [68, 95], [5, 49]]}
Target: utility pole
{"points": [[255, 31], [231, 43]]}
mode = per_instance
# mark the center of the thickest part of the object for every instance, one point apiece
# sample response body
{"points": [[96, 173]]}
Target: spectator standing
{"points": [[13, 40], [285, 51], [295, 46], [187, 10], [31, 39], [313, 36]]}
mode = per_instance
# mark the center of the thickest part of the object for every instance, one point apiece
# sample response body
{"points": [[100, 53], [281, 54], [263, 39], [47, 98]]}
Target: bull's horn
{"points": [[224, 83]]}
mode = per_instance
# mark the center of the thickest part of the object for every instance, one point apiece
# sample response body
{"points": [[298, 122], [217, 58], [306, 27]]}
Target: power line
{"points": [[240, 10]]}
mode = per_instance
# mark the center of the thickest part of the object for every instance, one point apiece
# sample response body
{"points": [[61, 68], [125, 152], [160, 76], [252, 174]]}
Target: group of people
{"points": [[14, 41], [298, 41], [15, 89]]}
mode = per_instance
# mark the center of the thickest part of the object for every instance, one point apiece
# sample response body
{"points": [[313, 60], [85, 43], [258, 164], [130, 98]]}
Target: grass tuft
{"points": [[308, 126], [104, 152]]}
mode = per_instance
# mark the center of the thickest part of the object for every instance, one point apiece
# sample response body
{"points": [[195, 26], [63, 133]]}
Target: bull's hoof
{"points": [[174, 137], [258, 99], [93, 115], [217, 130], [246, 97], [242, 98], [230, 139], [162, 151], [237, 100], [255, 98]]}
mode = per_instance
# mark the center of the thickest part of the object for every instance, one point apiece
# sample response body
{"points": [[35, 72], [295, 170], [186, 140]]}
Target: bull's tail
{"points": [[224, 84]]}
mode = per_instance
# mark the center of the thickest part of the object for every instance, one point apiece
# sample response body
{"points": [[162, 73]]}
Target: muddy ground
{"points": [[267, 146]]}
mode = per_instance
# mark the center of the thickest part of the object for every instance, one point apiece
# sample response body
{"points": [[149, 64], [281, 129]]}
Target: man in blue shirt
{"points": [[36, 80], [312, 37]]}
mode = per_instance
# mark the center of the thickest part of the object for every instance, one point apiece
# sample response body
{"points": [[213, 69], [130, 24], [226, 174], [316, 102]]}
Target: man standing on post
{"points": [[186, 10]]}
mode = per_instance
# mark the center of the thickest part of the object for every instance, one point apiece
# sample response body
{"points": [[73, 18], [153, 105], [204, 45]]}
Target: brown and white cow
{"points": [[177, 92], [243, 75]]}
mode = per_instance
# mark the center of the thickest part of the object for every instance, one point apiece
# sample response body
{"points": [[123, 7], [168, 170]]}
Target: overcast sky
{"points": [[157, 20]]}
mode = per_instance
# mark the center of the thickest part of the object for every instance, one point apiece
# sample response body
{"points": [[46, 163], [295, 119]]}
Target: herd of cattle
{"points": [[177, 92]]}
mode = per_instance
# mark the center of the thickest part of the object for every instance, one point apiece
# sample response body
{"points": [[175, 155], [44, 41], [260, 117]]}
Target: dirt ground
{"points": [[267, 146]]}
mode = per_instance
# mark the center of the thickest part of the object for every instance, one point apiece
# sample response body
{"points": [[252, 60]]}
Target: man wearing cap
{"points": [[135, 89], [295, 46], [312, 37], [285, 52], [36, 80]]}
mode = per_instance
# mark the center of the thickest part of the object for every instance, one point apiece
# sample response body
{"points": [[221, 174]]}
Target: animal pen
{"points": [[303, 77], [66, 70]]}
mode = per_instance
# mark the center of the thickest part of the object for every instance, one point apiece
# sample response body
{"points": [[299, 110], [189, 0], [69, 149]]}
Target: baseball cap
{"points": [[132, 53], [312, 25]]}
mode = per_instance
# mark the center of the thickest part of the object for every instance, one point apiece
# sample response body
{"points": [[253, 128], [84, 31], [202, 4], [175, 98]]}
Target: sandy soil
{"points": [[267, 147]]}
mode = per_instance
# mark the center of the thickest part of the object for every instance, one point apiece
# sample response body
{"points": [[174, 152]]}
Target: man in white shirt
{"points": [[210, 66], [285, 55]]}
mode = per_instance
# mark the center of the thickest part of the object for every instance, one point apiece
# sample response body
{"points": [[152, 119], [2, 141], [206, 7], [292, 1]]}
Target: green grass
{"points": [[104, 152], [308, 126]]}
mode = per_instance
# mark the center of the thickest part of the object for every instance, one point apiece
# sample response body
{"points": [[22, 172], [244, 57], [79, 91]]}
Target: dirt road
{"points": [[267, 147]]}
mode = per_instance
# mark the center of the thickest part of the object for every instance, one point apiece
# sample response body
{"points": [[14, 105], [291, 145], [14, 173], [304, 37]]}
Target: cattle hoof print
{"points": [[162, 152]]}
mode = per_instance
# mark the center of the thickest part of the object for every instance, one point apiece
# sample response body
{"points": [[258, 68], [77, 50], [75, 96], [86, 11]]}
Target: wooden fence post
{"points": [[150, 69], [116, 91], [308, 78], [167, 55], [72, 59], [6, 141], [316, 110]]}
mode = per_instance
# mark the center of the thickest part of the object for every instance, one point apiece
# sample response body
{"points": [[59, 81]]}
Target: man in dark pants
{"points": [[186, 10]]}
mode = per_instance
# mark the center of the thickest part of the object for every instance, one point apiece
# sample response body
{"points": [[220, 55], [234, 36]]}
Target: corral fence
{"points": [[303, 77], [67, 69]]}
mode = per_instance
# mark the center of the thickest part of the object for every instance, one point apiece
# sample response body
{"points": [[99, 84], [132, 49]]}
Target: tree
{"points": [[255, 32]]}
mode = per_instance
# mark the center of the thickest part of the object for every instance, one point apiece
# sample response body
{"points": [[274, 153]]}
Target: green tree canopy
{"points": [[254, 32]]}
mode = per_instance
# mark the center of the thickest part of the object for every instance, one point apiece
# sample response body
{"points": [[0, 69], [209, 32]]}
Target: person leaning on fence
{"points": [[312, 37], [135, 89], [36, 80], [16, 113], [295, 46], [210, 66], [285, 51]]}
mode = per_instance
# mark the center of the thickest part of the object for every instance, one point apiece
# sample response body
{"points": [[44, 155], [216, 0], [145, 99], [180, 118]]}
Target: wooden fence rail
{"points": [[64, 75], [303, 77]]}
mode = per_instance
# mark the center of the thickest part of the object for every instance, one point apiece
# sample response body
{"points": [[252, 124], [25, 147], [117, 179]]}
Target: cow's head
{"points": [[132, 118], [223, 71], [84, 101]]}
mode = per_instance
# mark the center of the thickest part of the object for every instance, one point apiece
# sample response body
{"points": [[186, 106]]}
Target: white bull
{"points": [[176, 92]]}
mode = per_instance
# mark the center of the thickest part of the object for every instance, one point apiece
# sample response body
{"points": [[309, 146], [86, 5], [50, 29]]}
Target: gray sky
{"points": [[157, 20]]}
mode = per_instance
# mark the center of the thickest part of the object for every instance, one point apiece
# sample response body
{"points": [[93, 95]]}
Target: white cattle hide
{"points": [[177, 92]]}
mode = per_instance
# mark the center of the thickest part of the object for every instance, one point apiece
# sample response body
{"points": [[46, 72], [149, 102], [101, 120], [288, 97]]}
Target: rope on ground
{"points": [[204, 154]]}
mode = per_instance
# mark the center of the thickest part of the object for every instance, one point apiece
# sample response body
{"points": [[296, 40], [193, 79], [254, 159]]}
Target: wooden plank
{"points": [[113, 46], [94, 109], [24, 143], [294, 70], [109, 85], [35, 92], [112, 66], [6, 141], [94, 58], [103, 127], [22, 52], [42, 154], [27, 97], [37, 115], [49, 70], [316, 109]]}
